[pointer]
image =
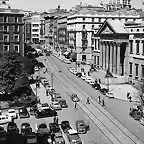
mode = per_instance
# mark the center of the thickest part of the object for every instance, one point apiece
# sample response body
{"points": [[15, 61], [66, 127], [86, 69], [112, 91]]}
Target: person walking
{"points": [[103, 102], [99, 101], [54, 119], [128, 94], [75, 106], [57, 119], [88, 101], [52, 137]]}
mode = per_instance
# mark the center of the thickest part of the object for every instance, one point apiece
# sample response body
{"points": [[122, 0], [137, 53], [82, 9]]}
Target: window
{"points": [[16, 19], [35, 25], [92, 26], [16, 38], [126, 20], [137, 30], [83, 26], [16, 47], [5, 19], [130, 67], [131, 47], [99, 20], [16, 28], [98, 44], [137, 47], [92, 42], [136, 67], [35, 30], [6, 29], [113, 18], [6, 38], [131, 30], [95, 43], [6, 48], [92, 19], [142, 71], [83, 19], [142, 47], [98, 60]]}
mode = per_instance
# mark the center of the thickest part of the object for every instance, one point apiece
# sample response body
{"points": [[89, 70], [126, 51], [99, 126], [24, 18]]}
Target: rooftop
{"points": [[12, 11]]}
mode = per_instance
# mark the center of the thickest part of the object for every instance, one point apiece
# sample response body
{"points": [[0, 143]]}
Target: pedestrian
{"points": [[52, 137], [128, 94], [103, 102], [88, 101], [130, 99], [57, 120], [54, 119], [99, 101], [75, 105]]}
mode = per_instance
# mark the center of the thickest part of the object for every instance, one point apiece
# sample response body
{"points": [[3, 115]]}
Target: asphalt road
{"points": [[118, 108]]}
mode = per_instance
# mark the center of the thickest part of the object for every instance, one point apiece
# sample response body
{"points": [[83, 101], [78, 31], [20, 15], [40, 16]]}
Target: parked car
{"points": [[12, 129], [25, 128], [71, 70], [65, 125], [109, 94], [75, 72], [63, 103], [103, 91], [67, 61], [142, 121], [92, 82], [47, 112], [81, 127], [75, 98], [96, 86], [31, 138], [43, 130], [12, 113], [5, 119], [23, 113], [2, 135], [54, 127], [88, 79], [79, 74], [83, 77], [56, 105], [73, 137], [59, 138]]}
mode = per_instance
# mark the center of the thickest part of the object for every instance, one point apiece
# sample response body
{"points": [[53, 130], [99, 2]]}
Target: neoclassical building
{"points": [[121, 48]]}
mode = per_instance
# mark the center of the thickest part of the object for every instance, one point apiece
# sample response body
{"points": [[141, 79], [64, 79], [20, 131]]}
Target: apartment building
{"points": [[42, 30], [84, 23], [11, 29], [27, 30]]}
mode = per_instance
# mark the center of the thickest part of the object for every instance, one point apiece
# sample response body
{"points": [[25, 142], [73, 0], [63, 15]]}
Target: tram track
{"points": [[118, 134]]}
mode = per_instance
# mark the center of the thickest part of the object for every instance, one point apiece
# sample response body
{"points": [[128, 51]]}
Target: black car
{"points": [[103, 91], [43, 130], [54, 127], [23, 113], [41, 113], [65, 125], [79, 74], [2, 135], [25, 128], [96, 86], [63, 103], [12, 129]]}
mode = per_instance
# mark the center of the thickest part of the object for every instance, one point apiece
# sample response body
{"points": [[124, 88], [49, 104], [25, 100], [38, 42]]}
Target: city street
{"points": [[109, 103]]}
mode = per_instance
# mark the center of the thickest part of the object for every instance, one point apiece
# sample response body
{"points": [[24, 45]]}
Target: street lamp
{"points": [[108, 75]]}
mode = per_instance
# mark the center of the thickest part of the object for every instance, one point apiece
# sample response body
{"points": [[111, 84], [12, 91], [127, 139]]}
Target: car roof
{"points": [[65, 121], [11, 110], [72, 131], [80, 121], [25, 124]]}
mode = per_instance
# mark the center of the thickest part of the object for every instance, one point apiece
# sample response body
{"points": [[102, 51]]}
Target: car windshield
{"points": [[80, 124], [31, 136], [59, 136], [56, 103], [74, 136], [42, 126], [11, 111]]}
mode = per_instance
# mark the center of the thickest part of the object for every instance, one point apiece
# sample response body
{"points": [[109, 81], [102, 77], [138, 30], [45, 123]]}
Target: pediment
{"points": [[107, 30]]}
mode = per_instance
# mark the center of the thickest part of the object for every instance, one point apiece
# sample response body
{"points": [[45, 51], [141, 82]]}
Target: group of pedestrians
{"points": [[56, 119]]}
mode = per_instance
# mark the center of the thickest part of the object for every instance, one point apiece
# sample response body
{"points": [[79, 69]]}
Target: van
{"points": [[5, 119]]}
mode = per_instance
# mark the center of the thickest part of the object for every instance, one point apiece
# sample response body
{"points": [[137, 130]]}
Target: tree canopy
{"points": [[14, 70]]}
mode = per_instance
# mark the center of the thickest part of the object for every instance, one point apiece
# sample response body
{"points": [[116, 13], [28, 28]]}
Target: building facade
{"points": [[42, 30], [11, 29], [27, 29]]}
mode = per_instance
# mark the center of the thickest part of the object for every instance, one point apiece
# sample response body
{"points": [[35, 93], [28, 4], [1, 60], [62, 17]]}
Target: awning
{"points": [[74, 56], [66, 53]]}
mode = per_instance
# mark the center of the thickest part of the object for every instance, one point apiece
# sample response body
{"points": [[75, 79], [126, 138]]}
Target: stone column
{"points": [[115, 59], [126, 65], [111, 54], [101, 54], [118, 59], [107, 55], [104, 55], [112, 50]]}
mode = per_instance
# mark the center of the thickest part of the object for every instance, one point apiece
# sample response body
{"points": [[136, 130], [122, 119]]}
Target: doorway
{"points": [[83, 57]]}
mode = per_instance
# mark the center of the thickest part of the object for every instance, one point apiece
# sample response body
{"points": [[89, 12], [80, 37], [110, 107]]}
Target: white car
{"points": [[55, 105], [88, 79], [12, 113], [83, 77], [67, 61], [142, 121], [5, 119], [92, 82], [71, 70], [36, 68], [109, 94], [75, 71]]}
